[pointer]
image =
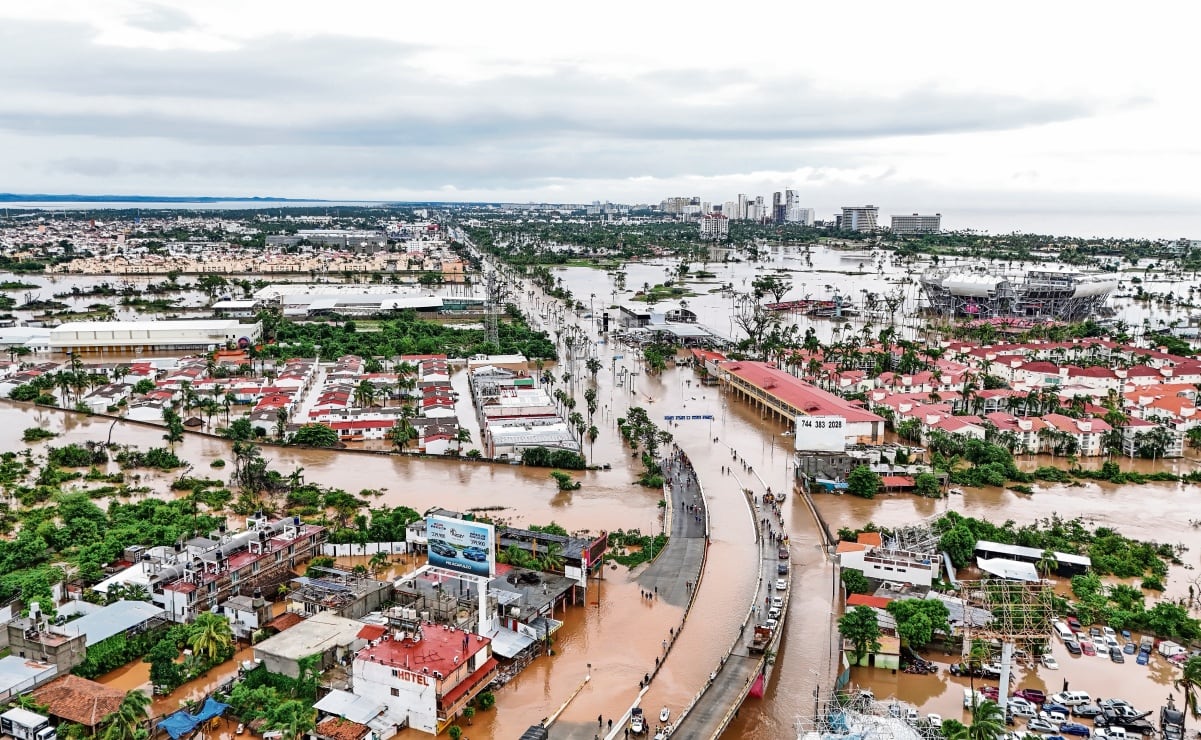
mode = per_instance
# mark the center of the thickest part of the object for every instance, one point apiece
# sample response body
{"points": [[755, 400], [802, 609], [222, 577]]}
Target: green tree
{"points": [[210, 636], [988, 721], [863, 482], [862, 629], [959, 543], [315, 435], [855, 582], [919, 619], [926, 484], [1189, 682], [126, 722], [1048, 563]]}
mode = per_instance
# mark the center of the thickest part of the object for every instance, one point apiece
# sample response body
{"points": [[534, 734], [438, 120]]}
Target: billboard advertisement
{"points": [[820, 434], [465, 547]]}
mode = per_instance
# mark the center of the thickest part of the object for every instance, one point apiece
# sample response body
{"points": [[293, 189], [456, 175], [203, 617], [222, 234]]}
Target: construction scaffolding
{"points": [[863, 717], [1020, 615], [920, 537], [1046, 294]]}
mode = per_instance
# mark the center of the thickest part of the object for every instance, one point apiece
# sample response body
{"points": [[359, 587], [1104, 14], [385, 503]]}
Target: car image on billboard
{"points": [[462, 546]]}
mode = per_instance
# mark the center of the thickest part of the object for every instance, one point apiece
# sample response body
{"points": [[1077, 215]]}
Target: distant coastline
{"points": [[73, 198]]}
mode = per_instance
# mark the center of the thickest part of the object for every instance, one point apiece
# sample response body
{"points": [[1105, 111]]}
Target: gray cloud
{"points": [[160, 19]]}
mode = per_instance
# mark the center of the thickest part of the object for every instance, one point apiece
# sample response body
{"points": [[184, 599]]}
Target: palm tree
{"points": [[988, 721], [126, 722], [1190, 683], [210, 636], [1047, 563], [976, 657], [552, 557], [379, 562], [136, 592], [364, 394]]}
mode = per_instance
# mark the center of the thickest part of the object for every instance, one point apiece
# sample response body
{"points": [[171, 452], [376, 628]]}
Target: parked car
{"points": [[1054, 717], [1040, 725], [1143, 657], [1049, 662], [774, 612], [782, 569], [1115, 654], [1101, 646], [1094, 632], [1074, 624], [1087, 647], [1129, 648], [1034, 695], [1017, 701], [1070, 698], [1109, 632], [935, 720], [1086, 711], [1022, 710], [1051, 706], [990, 692], [1074, 728], [781, 584], [782, 553], [1072, 646]]}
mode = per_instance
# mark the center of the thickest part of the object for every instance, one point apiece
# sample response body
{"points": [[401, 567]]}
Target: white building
{"points": [[859, 218], [427, 676], [714, 227], [896, 566], [201, 334], [917, 224]]}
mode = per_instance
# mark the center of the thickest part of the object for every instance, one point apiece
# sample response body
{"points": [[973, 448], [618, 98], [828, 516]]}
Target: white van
{"points": [[1070, 698], [1064, 632]]}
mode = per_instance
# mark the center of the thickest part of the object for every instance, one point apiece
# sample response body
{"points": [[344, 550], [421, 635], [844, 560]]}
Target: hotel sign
{"points": [[820, 433]]}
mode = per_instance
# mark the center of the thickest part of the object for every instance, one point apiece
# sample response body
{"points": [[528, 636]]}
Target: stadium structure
{"points": [[1041, 294]]}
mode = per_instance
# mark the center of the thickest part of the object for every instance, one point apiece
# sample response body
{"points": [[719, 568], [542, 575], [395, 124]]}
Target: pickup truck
{"points": [[761, 638]]}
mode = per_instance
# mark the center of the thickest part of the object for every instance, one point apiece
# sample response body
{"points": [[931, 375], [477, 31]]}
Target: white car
{"points": [[781, 584], [934, 719], [1050, 662], [1102, 646], [777, 602], [1054, 717], [1026, 710], [1108, 632]]}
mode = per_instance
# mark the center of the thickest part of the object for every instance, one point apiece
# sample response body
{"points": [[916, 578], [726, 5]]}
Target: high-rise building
{"points": [[714, 227], [859, 218], [729, 209], [777, 207], [741, 212], [917, 224], [793, 212], [679, 205]]}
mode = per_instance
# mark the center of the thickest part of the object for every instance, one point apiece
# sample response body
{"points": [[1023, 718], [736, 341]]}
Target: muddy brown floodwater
{"points": [[1159, 512]]}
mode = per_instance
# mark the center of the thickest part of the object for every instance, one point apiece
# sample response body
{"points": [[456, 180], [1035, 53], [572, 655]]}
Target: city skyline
{"points": [[293, 101]]}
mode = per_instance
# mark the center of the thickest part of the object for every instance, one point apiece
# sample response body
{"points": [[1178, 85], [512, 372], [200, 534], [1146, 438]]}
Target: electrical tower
{"points": [[491, 307]]}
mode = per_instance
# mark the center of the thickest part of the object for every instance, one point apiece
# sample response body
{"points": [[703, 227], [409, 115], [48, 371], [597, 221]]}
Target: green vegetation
{"points": [[645, 547], [384, 525], [863, 482], [405, 334], [37, 434], [1121, 606], [862, 629], [640, 433], [855, 582], [315, 435], [564, 481], [919, 619], [542, 457], [1110, 552], [283, 703], [155, 457]]}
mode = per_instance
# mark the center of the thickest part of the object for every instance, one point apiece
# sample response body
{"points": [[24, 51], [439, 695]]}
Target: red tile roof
{"points": [[79, 700], [440, 649], [877, 602], [806, 398], [285, 621], [336, 728], [372, 632]]}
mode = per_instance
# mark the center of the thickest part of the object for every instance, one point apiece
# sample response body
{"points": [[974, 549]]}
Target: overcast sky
{"points": [[1058, 116]]}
